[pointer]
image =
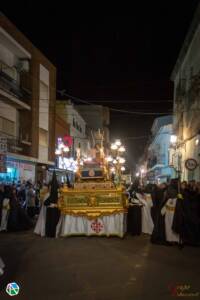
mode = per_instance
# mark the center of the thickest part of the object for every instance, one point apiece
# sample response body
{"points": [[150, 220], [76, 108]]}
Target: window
{"points": [[44, 106], [7, 126], [11, 72], [43, 137]]}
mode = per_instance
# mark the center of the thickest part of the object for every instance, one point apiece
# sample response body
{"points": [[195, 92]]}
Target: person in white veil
{"points": [[41, 222], [168, 211], [147, 222]]}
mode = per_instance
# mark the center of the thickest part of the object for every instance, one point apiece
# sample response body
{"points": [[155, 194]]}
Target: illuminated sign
{"points": [[67, 163], [68, 140]]}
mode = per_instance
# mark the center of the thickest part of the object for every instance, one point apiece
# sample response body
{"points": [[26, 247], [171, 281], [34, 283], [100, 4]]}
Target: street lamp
{"points": [[117, 160], [58, 152], [112, 170], [142, 171], [173, 139], [65, 149], [122, 149], [114, 147], [118, 143], [109, 158]]}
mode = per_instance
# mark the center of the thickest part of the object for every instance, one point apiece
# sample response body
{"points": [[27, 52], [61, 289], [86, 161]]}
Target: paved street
{"points": [[96, 268]]}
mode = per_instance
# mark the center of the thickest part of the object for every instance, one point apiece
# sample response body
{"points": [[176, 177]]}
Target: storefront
{"points": [[17, 170]]}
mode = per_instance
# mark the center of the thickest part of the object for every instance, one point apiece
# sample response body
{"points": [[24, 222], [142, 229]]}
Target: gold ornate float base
{"points": [[92, 203]]}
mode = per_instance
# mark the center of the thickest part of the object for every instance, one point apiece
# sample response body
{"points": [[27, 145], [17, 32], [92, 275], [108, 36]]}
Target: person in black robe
{"points": [[13, 219], [159, 200], [134, 217], [187, 217], [18, 219], [52, 213], [159, 233]]}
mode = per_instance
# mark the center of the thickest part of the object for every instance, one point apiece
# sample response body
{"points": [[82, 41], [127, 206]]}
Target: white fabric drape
{"points": [[168, 210], [41, 221], [78, 225], [147, 222]]}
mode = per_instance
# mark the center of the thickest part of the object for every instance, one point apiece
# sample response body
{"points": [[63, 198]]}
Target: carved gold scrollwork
{"points": [[92, 201]]}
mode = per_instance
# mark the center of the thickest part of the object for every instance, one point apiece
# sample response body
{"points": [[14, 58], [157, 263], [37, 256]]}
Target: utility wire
{"points": [[139, 112], [63, 93], [114, 109], [133, 101]]}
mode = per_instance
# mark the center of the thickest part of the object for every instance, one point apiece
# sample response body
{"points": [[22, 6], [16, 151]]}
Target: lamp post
{"points": [[116, 160]]}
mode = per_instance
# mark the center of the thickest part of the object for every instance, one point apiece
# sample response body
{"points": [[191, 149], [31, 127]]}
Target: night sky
{"points": [[120, 56]]}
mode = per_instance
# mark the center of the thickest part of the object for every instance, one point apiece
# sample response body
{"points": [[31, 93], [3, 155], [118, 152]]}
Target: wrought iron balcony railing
{"points": [[9, 84], [15, 145]]}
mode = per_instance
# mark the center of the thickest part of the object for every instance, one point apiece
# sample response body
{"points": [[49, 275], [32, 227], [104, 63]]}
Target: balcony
{"points": [[13, 92], [156, 162], [14, 145]]}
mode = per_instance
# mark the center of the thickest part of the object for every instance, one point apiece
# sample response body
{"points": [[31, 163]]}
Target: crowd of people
{"points": [[170, 212], [24, 205], [19, 205]]}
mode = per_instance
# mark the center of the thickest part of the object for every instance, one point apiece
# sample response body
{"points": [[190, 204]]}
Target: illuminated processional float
{"points": [[95, 205]]}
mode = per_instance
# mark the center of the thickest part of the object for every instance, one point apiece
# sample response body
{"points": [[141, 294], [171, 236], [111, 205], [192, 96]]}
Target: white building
{"points": [[186, 78], [97, 118], [158, 168], [77, 125]]}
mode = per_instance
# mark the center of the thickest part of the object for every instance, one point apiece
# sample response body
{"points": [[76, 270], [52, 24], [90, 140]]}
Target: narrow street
{"points": [[100, 137], [96, 268]]}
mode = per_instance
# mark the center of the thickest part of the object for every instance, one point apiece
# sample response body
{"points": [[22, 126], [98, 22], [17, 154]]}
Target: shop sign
{"points": [[19, 165], [68, 140], [67, 163], [191, 164]]}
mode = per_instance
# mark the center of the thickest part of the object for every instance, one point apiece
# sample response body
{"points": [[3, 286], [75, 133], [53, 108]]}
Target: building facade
{"points": [[186, 78], [97, 118], [158, 168], [76, 124], [27, 101]]}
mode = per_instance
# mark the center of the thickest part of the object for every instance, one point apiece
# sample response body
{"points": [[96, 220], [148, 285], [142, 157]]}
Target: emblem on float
{"points": [[97, 226]]}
